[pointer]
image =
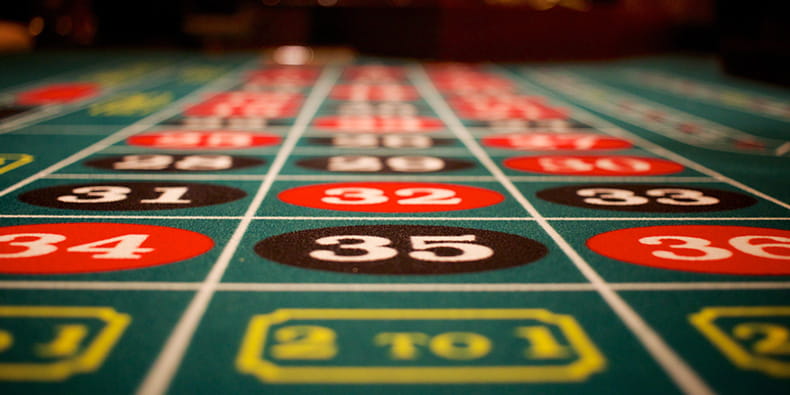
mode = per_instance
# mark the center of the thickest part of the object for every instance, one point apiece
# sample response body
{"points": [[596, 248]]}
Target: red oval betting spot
{"points": [[376, 124], [94, 247], [295, 77], [553, 141], [247, 104], [594, 165], [242, 110], [197, 139], [58, 94], [391, 197], [383, 92], [700, 248], [375, 73]]}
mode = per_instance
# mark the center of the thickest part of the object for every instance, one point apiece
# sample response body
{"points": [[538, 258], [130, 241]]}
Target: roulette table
{"points": [[181, 223]]}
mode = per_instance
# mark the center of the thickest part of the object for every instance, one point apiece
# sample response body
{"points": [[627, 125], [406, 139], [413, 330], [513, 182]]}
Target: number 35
{"points": [[375, 248]]}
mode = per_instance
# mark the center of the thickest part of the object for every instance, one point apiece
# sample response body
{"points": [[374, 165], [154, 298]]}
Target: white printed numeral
{"points": [[703, 251], [375, 248], [96, 194], [469, 251], [42, 244], [624, 197], [120, 247], [161, 162], [373, 141], [355, 195], [628, 165], [109, 194], [405, 164]]}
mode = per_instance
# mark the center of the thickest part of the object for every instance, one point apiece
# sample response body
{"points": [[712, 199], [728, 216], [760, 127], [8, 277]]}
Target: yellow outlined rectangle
{"points": [[735, 351], [87, 360], [250, 359]]}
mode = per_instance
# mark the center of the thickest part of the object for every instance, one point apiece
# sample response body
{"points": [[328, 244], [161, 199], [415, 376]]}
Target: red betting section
{"points": [[383, 92], [209, 139], [594, 165], [94, 247], [378, 124], [700, 248], [391, 197], [248, 104], [58, 94], [550, 141]]}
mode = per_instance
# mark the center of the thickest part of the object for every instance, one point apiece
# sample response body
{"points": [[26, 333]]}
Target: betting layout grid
{"points": [[553, 346]]}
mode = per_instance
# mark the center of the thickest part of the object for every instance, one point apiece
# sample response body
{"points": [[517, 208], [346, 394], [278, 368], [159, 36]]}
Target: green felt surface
{"points": [[615, 326]]}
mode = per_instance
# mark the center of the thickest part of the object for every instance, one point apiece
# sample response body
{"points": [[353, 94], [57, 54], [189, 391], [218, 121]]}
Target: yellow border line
{"points": [[19, 160]]}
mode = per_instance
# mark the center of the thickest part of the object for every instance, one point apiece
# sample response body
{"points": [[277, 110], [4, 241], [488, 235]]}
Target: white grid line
{"points": [[101, 285], [24, 119], [679, 371], [389, 287], [404, 287], [363, 177], [166, 364], [381, 218]]}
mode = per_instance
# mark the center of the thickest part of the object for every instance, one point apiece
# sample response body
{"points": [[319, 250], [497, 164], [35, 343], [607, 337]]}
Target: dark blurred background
{"points": [[751, 37]]}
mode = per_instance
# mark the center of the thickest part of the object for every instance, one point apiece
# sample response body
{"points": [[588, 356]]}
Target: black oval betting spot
{"points": [[647, 198], [174, 163], [387, 164], [392, 253], [131, 196]]}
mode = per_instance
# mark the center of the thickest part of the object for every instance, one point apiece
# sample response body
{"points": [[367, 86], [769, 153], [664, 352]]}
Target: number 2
{"points": [[775, 339]]}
